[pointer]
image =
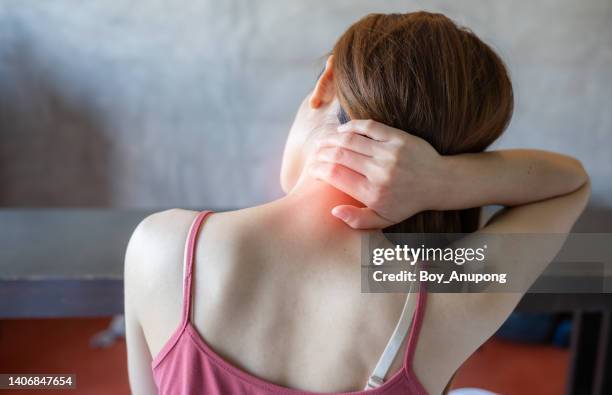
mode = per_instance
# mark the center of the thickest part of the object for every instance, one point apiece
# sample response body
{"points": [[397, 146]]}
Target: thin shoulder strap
{"points": [[190, 246], [377, 377], [394, 344], [413, 337]]}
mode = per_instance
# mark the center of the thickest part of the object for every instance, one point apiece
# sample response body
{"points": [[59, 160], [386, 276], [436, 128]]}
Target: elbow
{"points": [[583, 183], [580, 175], [581, 172], [582, 196], [586, 187]]}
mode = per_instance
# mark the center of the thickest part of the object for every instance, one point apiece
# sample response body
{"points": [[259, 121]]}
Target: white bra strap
{"points": [[394, 344]]}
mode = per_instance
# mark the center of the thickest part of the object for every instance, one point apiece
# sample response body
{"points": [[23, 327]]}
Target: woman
{"points": [[268, 300]]}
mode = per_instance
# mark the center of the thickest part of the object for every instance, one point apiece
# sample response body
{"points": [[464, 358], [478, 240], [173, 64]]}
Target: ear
{"points": [[325, 91]]}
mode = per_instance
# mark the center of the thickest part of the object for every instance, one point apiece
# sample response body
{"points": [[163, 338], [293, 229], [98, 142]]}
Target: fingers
{"points": [[342, 178], [372, 129], [360, 218], [354, 142], [353, 160], [376, 172]]}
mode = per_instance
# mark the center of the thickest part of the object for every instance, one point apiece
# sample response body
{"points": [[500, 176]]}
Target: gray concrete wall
{"points": [[187, 103]]}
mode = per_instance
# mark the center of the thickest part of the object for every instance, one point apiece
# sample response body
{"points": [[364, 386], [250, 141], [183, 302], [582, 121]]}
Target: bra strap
{"points": [[190, 246], [394, 344], [417, 322]]}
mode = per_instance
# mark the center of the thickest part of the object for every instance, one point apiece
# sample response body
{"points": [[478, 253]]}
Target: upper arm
{"points": [[456, 325], [152, 276], [139, 357], [525, 240]]}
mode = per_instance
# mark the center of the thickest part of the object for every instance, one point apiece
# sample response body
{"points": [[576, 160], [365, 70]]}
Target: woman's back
{"points": [[276, 292], [276, 302]]}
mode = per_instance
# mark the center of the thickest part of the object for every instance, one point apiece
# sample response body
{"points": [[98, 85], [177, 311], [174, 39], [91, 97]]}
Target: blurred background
{"points": [[139, 106]]}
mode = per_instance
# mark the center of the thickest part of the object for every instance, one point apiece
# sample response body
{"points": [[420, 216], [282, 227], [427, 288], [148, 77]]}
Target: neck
{"points": [[316, 199]]}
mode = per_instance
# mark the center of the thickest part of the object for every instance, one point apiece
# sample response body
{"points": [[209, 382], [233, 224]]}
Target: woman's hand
{"points": [[393, 173], [396, 175]]}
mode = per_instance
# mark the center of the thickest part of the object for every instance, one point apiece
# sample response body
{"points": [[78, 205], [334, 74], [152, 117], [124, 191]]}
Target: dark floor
{"points": [[62, 346]]}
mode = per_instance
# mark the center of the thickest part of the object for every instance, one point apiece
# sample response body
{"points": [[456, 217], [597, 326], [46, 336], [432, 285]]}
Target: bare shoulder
{"points": [[162, 224], [158, 235], [155, 252]]}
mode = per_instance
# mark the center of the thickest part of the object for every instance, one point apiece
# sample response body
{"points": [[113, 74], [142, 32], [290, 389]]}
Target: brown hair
{"points": [[421, 73]]}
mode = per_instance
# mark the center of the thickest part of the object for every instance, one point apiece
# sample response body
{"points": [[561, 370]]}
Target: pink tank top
{"points": [[188, 365]]}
